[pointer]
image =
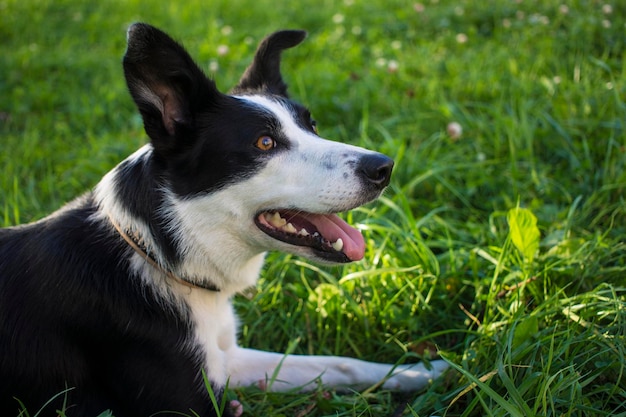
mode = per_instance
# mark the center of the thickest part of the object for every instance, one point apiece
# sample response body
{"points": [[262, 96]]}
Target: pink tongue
{"points": [[332, 227]]}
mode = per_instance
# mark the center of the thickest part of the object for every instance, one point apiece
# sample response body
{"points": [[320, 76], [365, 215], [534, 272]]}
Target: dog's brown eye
{"points": [[265, 143]]}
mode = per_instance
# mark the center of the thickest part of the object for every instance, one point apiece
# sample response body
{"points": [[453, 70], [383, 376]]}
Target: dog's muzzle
{"points": [[328, 237]]}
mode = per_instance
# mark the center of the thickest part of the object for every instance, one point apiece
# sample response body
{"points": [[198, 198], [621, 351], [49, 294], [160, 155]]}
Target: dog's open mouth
{"points": [[328, 235]]}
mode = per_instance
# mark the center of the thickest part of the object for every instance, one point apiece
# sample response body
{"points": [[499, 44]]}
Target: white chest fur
{"points": [[215, 326]]}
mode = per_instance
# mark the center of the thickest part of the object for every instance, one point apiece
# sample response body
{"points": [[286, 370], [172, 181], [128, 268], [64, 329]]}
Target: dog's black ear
{"points": [[263, 75], [167, 86]]}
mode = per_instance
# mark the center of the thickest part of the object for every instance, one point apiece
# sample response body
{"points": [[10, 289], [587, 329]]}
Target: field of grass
{"points": [[502, 250]]}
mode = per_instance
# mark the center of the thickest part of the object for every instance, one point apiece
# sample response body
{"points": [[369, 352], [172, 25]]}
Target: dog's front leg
{"points": [[279, 372]]}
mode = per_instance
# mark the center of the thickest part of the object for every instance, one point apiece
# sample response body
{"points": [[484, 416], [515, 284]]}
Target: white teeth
{"points": [[275, 220], [337, 245], [289, 228]]}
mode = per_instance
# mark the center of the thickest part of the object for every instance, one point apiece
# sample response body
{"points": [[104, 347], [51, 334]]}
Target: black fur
{"points": [[263, 76], [73, 320], [199, 126], [71, 317]]}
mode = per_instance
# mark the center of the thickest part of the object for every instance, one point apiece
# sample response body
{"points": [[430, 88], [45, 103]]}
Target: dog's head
{"points": [[247, 169]]}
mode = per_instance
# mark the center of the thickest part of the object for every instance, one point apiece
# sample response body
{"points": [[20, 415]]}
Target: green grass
{"points": [[532, 317]]}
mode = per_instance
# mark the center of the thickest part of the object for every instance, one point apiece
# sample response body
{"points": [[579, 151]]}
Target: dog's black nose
{"points": [[376, 169]]}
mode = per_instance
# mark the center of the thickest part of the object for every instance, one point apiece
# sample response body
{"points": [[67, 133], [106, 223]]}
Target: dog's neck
{"points": [[205, 250], [136, 243]]}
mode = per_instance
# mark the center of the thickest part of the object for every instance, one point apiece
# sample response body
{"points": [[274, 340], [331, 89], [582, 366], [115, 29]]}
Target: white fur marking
{"points": [[247, 367]]}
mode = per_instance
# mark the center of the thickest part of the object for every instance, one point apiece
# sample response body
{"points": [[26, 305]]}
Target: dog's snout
{"points": [[376, 169]]}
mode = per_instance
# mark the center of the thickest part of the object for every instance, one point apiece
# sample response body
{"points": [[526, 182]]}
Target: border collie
{"points": [[121, 300]]}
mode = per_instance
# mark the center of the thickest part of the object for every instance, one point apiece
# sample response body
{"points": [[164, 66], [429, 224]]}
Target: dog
{"points": [[121, 300]]}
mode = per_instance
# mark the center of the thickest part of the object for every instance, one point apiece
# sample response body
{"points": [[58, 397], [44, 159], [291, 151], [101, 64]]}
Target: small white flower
{"points": [[222, 50], [392, 66], [214, 66], [461, 38], [607, 9], [338, 18], [227, 30], [454, 130]]}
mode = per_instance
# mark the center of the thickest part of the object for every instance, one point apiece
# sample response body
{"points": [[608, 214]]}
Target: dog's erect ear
{"points": [[166, 84], [263, 75]]}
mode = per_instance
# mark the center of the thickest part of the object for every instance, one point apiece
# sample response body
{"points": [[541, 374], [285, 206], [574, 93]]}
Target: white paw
{"points": [[415, 377]]}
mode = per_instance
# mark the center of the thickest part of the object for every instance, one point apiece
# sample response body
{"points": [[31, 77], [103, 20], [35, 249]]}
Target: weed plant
{"points": [[502, 250]]}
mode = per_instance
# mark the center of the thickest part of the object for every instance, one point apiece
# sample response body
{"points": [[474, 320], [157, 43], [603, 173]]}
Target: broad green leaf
{"points": [[524, 231], [525, 330]]}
